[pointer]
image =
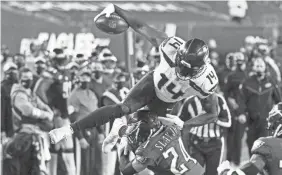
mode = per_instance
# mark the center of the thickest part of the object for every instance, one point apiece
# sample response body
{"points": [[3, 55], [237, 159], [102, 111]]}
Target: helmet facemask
{"points": [[142, 127], [185, 70], [138, 133]]}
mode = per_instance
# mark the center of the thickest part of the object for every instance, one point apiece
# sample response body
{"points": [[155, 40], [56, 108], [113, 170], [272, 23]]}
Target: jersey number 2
{"points": [[175, 168]]}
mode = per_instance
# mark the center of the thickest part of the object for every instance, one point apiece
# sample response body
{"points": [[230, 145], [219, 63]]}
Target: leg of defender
{"points": [[139, 96]]}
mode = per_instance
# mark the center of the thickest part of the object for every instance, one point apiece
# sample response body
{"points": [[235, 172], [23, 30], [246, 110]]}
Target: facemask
{"points": [[260, 74], [13, 76], [39, 70], [84, 84], [26, 83], [97, 74], [120, 85]]}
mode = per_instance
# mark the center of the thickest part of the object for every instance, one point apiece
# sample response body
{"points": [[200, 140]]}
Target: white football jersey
{"points": [[169, 88]]}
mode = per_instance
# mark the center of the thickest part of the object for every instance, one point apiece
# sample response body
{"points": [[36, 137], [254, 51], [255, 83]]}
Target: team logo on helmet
{"points": [[274, 120]]}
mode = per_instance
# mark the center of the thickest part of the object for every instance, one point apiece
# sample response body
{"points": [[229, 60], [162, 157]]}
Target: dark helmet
{"points": [[274, 120], [191, 58], [141, 127], [60, 59]]}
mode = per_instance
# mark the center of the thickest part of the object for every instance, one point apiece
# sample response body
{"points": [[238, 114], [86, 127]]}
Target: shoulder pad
{"points": [[261, 147], [169, 47], [208, 81]]}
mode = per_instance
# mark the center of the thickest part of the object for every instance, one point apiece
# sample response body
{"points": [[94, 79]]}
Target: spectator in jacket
{"points": [[258, 94], [33, 119], [81, 102], [230, 66], [231, 91], [10, 78]]}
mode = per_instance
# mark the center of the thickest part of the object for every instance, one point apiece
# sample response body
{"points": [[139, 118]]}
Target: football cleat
{"points": [[56, 135], [113, 137]]}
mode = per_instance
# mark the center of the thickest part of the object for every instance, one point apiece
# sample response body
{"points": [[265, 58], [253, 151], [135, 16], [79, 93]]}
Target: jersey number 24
{"points": [[175, 166]]}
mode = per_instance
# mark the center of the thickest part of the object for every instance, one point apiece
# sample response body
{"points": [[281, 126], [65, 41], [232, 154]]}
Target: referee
{"points": [[206, 142]]}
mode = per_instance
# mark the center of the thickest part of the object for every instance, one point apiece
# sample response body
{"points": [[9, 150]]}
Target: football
{"points": [[111, 25]]}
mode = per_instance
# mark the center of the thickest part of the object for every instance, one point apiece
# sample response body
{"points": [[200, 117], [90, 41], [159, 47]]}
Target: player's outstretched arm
{"points": [[210, 116], [153, 35]]}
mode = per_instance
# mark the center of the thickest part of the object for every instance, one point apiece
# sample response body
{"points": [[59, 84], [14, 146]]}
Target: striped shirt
{"points": [[192, 107]]}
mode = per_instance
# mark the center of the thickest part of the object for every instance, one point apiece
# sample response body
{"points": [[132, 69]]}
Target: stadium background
{"points": [[23, 21], [206, 20]]}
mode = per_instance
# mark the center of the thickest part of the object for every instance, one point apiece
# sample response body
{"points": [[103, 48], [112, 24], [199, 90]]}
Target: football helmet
{"points": [[191, 59], [274, 120], [59, 58], [143, 125]]}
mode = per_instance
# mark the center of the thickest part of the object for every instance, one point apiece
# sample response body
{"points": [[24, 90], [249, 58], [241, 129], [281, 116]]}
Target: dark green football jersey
{"points": [[270, 148]]}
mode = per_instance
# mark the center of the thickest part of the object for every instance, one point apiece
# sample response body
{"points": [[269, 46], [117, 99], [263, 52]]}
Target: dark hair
{"points": [[23, 70]]}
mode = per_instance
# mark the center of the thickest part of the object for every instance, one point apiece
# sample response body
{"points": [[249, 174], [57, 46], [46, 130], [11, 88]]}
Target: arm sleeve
{"points": [[183, 112], [73, 102], [22, 103], [224, 118], [227, 86], [254, 166], [44, 106], [242, 98], [276, 95], [41, 87]]}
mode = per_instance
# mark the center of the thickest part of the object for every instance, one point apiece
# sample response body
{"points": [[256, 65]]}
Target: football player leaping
{"points": [[184, 71], [266, 151]]}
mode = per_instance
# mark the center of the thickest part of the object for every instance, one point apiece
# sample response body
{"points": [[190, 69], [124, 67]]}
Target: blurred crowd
{"points": [[45, 89]]}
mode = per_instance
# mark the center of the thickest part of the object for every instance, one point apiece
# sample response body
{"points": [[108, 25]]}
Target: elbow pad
{"points": [[249, 169]]}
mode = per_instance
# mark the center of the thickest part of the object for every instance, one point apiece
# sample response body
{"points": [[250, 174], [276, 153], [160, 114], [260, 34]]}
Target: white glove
{"points": [[108, 11], [56, 135], [242, 118], [48, 115], [123, 147], [172, 120], [224, 168]]}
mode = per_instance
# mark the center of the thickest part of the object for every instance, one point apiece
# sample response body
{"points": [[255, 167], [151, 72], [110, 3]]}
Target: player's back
{"points": [[169, 155], [271, 149]]}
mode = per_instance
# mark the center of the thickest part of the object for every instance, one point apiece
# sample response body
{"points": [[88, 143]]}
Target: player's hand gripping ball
{"points": [[110, 22]]}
